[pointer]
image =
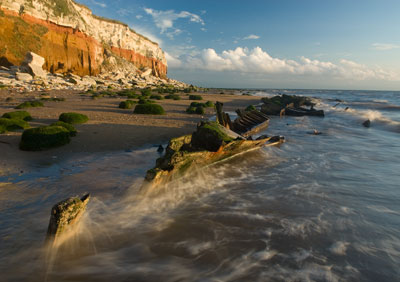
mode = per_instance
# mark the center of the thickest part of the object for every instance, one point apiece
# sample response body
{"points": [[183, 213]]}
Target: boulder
{"points": [[23, 76], [33, 65], [146, 73], [367, 123], [64, 215]]}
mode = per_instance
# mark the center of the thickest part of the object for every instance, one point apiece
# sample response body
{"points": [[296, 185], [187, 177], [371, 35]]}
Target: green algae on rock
{"points": [[45, 137], [23, 115], [73, 118]]}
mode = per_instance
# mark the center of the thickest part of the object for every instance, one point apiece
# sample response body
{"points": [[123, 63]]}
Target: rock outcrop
{"points": [[73, 40]]}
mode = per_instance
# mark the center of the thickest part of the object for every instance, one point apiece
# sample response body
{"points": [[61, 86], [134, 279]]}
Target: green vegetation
{"points": [[146, 92], [209, 104], [128, 104], [23, 115], [13, 124], [187, 90], [40, 138], [157, 97], [195, 97], [173, 97], [214, 127], [30, 104], [71, 129], [3, 129], [130, 93], [199, 109], [53, 99], [149, 109], [250, 108], [2, 86], [73, 118], [143, 100]]}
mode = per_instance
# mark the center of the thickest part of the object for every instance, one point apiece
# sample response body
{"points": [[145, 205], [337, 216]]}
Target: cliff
{"points": [[72, 39]]}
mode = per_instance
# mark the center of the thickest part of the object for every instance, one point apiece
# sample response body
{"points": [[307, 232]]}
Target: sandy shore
{"points": [[109, 128]]}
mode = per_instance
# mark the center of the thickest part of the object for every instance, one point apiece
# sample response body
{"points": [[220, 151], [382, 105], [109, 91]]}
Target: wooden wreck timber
{"points": [[246, 124], [290, 105], [211, 143], [64, 216]]}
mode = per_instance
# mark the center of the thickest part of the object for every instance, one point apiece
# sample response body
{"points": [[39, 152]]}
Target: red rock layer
{"points": [[65, 49]]}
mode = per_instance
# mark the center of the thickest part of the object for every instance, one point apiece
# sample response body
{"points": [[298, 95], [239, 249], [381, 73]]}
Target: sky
{"points": [[325, 44]]}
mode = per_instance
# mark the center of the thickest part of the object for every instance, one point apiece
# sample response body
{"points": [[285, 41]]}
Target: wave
{"points": [[377, 118]]}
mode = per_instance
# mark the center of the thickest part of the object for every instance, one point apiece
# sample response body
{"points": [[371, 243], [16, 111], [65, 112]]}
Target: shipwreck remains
{"points": [[209, 144], [64, 216], [246, 124], [290, 105]]}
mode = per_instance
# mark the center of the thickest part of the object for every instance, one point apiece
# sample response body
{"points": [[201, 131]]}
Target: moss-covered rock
{"points": [[157, 97], [173, 97], [13, 124], [73, 118], [210, 136], [209, 104], [41, 138], [195, 97], [149, 109], [200, 110], [71, 129], [146, 92], [29, 104], [128, 104], [24, 115], [250, 108]]}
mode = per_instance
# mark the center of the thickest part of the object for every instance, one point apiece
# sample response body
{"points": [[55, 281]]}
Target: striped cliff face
{"points": [[76, 42]]}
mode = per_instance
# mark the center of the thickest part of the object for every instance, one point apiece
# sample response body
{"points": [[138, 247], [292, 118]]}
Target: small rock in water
{"points": [[160, 149], [367, 123], [315, 132], [346, 108]]}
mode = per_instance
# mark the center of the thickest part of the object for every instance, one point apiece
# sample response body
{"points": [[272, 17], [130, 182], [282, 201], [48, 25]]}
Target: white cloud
{"points": [[172, 61], [164, 20], [139, 17], [251, 36], [384, 46], [258, 61], [99, 4]]}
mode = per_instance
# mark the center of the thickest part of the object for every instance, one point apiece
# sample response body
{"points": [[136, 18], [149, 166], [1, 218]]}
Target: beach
{"points": [[109, 128]]}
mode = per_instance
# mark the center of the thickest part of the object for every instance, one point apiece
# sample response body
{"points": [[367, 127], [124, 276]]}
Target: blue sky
{"points": [[338, 44]]}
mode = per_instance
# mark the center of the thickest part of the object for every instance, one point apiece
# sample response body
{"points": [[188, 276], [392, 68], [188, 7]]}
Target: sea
{"points": [[317, 208]]}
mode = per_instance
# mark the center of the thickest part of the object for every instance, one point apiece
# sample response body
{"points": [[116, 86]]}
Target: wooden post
{"points": [[220, 115]]}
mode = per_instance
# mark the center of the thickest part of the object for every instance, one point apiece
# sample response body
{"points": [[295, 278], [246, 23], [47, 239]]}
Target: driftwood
{"points": [[64, 215]]}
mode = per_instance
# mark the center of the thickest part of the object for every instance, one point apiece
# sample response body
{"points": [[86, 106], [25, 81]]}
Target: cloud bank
{"points": [[164, 20], [258, 61], [384, 46]]}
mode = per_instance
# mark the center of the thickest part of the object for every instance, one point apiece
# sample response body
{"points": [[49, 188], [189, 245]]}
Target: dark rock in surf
{"points": [[367, 123], [160, 149]]}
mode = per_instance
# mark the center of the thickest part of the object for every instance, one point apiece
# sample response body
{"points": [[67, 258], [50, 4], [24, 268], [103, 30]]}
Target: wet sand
{"points": [[108, 129]]}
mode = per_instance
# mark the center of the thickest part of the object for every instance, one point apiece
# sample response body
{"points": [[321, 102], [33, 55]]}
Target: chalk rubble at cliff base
{"points": [[31, 77]]}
